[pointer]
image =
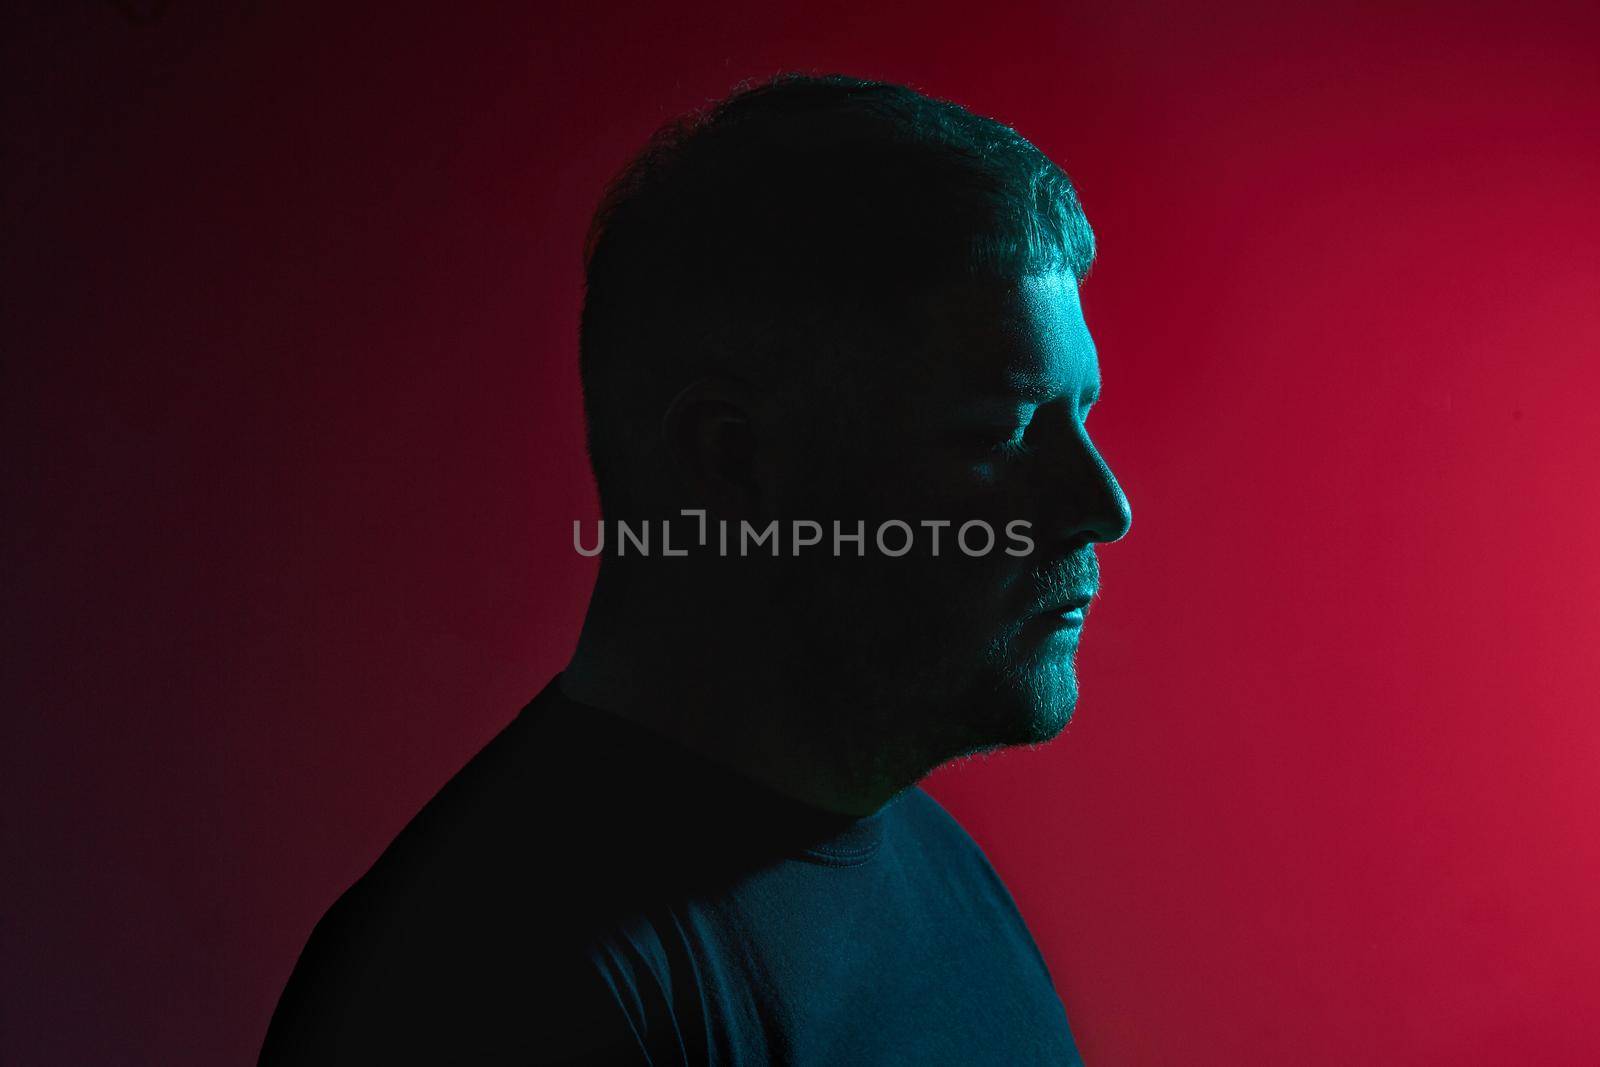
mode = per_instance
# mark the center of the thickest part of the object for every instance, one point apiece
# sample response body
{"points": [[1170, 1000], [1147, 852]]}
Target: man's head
{"points": [[830, 300]]}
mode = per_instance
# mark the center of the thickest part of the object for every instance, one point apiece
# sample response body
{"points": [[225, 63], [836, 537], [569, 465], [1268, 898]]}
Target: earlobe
{"points": [[709, 432]]}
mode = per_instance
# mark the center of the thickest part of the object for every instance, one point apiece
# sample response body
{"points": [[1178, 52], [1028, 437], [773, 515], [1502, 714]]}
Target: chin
{"points": [[1033, 703]]}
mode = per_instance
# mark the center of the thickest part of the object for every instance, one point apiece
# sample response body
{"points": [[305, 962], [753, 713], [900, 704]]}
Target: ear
{"points": [[711, 431]]}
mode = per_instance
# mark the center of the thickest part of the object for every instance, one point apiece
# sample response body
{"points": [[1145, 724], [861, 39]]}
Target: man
{"points": [[836, 378]]}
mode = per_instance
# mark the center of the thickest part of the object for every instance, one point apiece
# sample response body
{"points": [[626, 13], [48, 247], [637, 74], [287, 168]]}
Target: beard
{"points": [[1027, 687], [930, 668], [1031, 689], [935, 697]]}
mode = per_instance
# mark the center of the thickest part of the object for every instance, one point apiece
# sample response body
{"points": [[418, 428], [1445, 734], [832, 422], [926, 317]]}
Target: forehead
{"points": [[1022, 337]]}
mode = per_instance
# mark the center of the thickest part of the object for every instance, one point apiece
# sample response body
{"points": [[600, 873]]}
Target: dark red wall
{"points": [[292, 447]]}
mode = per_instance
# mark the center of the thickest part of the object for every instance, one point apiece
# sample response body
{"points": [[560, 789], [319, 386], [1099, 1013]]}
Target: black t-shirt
{"points": [[586, 891]]}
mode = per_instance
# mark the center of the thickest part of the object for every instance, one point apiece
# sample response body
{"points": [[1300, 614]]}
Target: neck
{"points": [[710, 693]]}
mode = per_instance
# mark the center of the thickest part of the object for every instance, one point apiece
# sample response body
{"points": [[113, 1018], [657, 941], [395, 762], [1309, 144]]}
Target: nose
{"points": [[1088, 504]]}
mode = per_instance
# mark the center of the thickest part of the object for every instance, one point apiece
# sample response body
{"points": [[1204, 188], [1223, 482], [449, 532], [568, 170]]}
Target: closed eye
{"points": [[1003, 434], [1016, 444]]}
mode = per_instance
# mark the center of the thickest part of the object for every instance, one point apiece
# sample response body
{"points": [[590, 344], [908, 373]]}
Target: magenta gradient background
{"points": [[293, 447]]}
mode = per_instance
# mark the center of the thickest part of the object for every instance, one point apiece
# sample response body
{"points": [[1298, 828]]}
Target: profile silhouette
{"points": [[833, 356]]}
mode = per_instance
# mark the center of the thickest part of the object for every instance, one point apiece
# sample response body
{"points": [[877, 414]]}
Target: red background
{"points": [[293, 447]]}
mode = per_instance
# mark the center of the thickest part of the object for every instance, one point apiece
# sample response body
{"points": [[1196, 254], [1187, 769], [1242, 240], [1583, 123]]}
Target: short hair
{"points": [[795, 216]]}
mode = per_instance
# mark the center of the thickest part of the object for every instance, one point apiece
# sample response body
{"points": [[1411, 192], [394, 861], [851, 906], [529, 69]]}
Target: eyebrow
{"points": [[1036, 392]]}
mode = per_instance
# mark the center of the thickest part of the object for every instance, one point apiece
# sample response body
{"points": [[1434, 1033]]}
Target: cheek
{"points": [[969, 599], [933, 483]]}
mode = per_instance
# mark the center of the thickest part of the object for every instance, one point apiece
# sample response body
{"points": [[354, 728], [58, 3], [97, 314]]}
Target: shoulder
{"points": [[962, 867], [465, 940], [917, 813], [383, 980]]}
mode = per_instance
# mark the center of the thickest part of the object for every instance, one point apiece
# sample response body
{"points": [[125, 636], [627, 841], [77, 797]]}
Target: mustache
{"points": [[1075, 576]]}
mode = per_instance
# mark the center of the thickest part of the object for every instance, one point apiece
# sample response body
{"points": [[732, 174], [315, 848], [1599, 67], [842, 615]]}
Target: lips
{"points": [[1074, 602], [1065, 587]]}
